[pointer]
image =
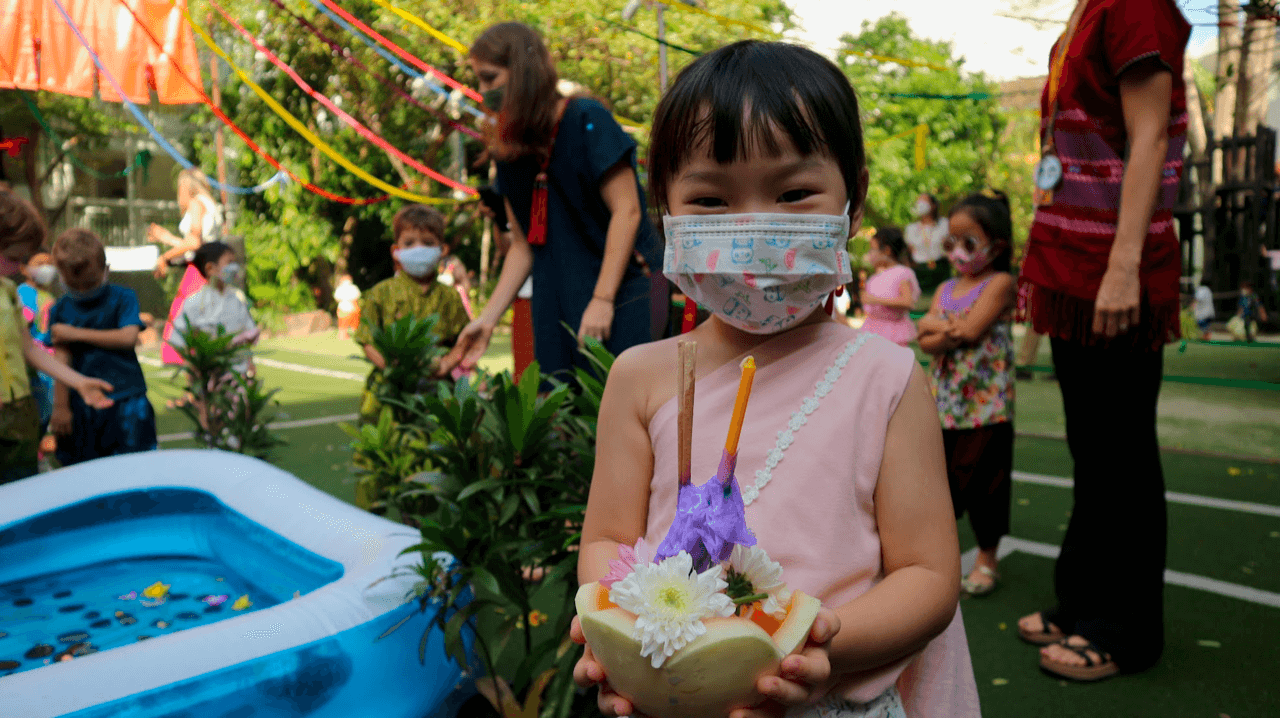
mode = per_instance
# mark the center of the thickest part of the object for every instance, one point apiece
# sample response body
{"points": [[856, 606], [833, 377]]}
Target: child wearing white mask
{"points": [[757, 160], [925, 236], [969, 330], [413, 291], [218, 306]]}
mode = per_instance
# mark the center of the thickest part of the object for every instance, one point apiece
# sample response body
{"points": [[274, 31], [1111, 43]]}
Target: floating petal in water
{"points": [[156, 590], [128, 596], [242, 603], [215, 600]]}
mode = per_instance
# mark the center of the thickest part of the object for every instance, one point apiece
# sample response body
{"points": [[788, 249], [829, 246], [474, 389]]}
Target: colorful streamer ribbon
{"points": [[350, 121], [301, 128], [342, 52], [392, 58], [244, 136], [423, 24], [405, 55], [719, 18], [142, 119]]}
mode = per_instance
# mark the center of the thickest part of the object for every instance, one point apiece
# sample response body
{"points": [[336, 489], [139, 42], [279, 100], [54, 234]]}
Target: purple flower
{"points": [[710, 520]]}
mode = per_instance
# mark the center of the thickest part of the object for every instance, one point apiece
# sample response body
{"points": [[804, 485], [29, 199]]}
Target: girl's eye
{"points": [[796, 195], [707, 202]]}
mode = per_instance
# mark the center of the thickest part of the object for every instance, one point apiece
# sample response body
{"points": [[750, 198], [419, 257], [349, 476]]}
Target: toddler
{"points": [[418, 248], [969, 330], [892, 291], [756, 159], [218, 304]]}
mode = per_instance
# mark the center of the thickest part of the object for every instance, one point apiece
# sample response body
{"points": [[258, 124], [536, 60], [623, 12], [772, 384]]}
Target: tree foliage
{"points": [[971, 143]]}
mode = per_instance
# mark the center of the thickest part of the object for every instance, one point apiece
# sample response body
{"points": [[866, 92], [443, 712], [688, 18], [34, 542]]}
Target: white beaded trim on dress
{"points": [[800, 418]]}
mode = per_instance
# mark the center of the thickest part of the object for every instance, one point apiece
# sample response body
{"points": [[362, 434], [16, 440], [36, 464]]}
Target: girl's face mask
{"points": [[493, 98], [969, 254], [762, 273], [922, 208]]}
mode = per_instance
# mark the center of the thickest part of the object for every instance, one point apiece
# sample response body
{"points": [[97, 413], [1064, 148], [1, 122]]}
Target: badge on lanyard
{"points": [[1048, 176]]}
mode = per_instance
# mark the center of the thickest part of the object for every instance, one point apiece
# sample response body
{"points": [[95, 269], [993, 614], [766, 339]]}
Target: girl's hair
{"points": [[933, 202], [990, 209], [210, 253], [196, 181], [736, 98], [528, 113], [20, 223], [892, 242]]}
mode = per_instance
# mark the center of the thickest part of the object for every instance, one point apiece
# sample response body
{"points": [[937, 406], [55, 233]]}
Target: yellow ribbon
{"points": [[922, 134], [307, 134], [719, 18], [912, 131], [423, 24]]}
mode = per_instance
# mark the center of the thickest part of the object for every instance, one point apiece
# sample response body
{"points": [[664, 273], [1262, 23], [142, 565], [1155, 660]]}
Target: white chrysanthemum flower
{"points": [[670, 601], [765, 576]]}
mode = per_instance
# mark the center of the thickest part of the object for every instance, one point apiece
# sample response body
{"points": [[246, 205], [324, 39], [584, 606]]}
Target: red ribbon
{"points": [[329, 105]]}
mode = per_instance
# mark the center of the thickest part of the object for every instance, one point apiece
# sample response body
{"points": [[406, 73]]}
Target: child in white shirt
{"points": [[218, 304]]}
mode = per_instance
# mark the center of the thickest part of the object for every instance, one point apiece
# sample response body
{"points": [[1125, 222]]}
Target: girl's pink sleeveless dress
{"points": [[808, 463], [892, 324]]}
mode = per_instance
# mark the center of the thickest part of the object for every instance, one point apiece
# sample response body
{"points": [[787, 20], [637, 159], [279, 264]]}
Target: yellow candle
{"points": [[740, 406]]}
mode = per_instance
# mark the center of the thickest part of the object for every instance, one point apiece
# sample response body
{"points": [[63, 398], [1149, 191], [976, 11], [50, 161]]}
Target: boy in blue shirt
{"points": [[94, 329]]}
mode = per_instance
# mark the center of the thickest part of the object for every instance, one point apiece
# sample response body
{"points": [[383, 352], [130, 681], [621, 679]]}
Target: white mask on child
{"points": [[44, 275], [418, 261], [761, 273]]}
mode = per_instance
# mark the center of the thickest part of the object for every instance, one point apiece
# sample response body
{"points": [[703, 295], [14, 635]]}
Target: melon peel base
{"points": [[711, 675]]}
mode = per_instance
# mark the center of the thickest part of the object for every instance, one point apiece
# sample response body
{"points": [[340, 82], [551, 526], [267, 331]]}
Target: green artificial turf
{"points": [[1221, 652]]}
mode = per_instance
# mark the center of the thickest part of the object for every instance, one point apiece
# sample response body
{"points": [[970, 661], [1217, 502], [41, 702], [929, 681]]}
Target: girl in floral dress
{"points": [[969, 330]]}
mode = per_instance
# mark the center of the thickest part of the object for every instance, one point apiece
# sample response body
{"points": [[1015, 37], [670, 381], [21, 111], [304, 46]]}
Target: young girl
{"points": [[969, 330], [21, 235], [757, 161], [892, 291]]}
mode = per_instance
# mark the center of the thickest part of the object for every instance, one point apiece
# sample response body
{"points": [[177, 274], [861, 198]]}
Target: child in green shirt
{"points": [[413, 291]]}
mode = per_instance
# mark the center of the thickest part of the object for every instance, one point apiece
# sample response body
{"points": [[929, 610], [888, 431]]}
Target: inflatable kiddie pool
{"points": [[202, 583]]}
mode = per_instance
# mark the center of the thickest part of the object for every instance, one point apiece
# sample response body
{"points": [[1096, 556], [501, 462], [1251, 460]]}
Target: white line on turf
{"points": [[1009, 545], [1247, 507], [296, 424], [276, 364]]}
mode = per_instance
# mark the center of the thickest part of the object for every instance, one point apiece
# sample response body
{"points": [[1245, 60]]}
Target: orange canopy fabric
{"points": [[41, 53]]}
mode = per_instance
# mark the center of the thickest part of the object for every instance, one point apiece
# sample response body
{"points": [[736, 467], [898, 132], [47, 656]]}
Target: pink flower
{"points": [[628, 557]]}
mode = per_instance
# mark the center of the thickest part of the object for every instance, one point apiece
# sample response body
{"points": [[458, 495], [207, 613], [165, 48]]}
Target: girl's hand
{"points": [[1117, 307], [803, 678], [588, 672], [162, 267], [868, 299], [597, 320]]}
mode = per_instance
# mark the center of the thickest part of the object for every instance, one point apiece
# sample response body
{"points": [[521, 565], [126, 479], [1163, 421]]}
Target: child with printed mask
{"points": [[218, 307], [969, 330], [413, 291], [892, 291], [21, 235], [94, 328], [758, 146]]}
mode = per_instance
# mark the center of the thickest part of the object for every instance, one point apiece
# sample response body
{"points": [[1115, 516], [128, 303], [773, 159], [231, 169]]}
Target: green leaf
{"points": [[483, 579]]}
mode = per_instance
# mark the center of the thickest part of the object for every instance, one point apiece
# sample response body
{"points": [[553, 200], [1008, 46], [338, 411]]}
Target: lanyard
{"points": [[1055, 72], [537, 236]]}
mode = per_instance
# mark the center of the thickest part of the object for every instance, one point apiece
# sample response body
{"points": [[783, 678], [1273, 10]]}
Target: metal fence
{"points": [[120, 222]]}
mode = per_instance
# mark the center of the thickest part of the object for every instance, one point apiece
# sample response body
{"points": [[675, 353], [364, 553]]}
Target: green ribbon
{"points": [[660, 41], [140, 160]]}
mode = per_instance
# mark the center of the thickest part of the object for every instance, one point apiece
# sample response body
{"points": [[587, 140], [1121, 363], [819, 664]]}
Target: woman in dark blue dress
{"points": [[568, 175]]}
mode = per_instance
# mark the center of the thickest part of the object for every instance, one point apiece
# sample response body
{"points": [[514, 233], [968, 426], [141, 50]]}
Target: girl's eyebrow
{"points": [[791, 168]]}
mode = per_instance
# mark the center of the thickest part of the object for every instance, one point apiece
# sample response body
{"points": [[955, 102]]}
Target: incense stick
{"points": [[740, 406], [688, 362]]}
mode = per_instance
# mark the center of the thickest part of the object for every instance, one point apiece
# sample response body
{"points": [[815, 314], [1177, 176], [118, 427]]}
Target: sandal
{"points": [[1088, 673], [973, 588], [1047, 634]]}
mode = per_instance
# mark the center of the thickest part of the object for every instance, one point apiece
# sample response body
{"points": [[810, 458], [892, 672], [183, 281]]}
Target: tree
{"points": [[968, 145]]}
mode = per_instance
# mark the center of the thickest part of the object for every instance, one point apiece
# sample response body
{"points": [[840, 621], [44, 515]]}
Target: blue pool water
{"points": [[72, 581]]}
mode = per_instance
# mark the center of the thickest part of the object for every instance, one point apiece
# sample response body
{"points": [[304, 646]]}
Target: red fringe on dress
{"points": [[1062, 316]]}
